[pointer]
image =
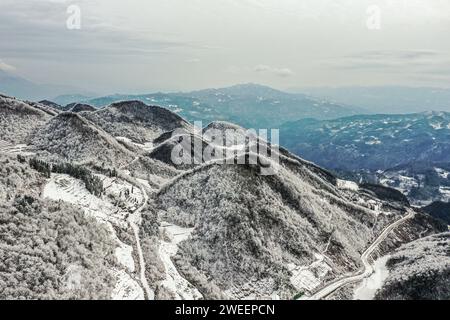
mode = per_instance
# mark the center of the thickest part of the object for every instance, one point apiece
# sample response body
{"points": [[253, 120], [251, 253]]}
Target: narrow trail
{"points": [[134, 221], [148, 291], [367, 269]]}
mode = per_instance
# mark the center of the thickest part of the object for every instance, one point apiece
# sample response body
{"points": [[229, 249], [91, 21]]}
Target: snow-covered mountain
{"points": [[375, 142], [19, 120], [101, 190], [421, 182], [249, 105], [80, 107], [407, 152], [70, 137], [136, 121], [419, 270]]}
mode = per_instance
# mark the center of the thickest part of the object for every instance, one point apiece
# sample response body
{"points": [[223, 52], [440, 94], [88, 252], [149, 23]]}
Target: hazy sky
{"points": [[146, 45]]}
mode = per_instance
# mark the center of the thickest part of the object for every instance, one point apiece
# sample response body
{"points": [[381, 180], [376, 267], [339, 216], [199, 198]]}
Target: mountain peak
{"points": [[81, 107], [245, 89], [128, 105]]}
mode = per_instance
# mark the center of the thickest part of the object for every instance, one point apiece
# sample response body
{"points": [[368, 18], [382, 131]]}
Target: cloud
{"points": [[193, 60], [396, 60], [418, 66], [6, 67], [36, 30], [281, 72]]}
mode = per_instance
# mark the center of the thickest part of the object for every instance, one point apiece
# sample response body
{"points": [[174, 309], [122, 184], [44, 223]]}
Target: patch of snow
{"points": [[347, 185], [167, 249], [442, 173], [436, 125], [375, 206], [373, 142], [124, 254], [64, 187], [9, 148], [73, 277], [148, 146], [400, 182], [309, 277], [144, 182], [445, 193], [370, 285]]}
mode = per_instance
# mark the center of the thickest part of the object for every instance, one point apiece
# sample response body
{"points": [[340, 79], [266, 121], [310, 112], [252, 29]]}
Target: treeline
{"points": [[112, 173], [93, 183], [41, 166]]}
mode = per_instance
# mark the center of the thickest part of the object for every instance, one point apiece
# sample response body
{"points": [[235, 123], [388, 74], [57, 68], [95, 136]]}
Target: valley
{"points": [[218, 159], [209, 230]]}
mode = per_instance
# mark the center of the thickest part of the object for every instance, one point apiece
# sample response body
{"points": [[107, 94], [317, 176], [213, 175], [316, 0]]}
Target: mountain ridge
{"points": [[247, 105], [211, 229]]}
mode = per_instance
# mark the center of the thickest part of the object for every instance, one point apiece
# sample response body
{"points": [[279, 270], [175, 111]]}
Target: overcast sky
{"points": [[147, 45]]}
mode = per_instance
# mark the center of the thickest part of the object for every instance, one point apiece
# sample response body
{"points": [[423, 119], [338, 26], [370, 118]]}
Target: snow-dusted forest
{"points": [[93, 207]]}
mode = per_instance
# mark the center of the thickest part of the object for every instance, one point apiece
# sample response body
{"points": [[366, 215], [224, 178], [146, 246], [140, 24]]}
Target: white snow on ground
{"points": [[347, 185], [9, 148], [445, 193], [405, 183], [309, 277], [370, 285], [373, 205], [442, 173], [124, 254], [126, 288], [158, 180], [130, 196], [182, 289], [373, 142], [387, 182], [437, 125], [66, 188], [144, 182], [148, 146], [73, 277], [376, 206]]}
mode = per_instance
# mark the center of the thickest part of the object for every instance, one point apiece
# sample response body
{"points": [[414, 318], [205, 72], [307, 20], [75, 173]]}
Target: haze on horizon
{"points": [[142, 46]]}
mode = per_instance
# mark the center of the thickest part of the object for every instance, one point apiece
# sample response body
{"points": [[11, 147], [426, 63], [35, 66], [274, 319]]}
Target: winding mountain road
{"points": [[135, 220], [367, 267]]}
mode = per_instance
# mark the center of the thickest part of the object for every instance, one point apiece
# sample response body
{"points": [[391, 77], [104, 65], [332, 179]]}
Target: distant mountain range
{"points": [[399, 151], [249, 105], [99, 190], [386, 99], [21, 88], [408, 152], [421, 182], [375, 142]]}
